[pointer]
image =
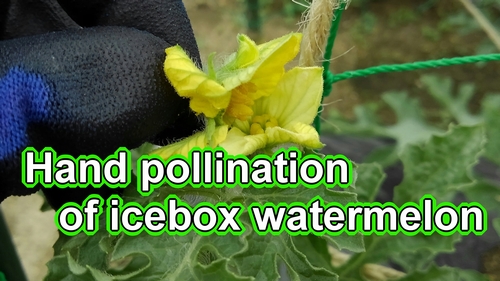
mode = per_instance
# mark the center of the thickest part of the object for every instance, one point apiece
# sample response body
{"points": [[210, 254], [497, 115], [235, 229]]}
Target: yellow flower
{"points": [[250, 73], [282, 117], [198, 140]]}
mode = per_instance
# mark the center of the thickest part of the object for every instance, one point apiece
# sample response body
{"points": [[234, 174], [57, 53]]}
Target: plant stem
{"points": [[359, 259], [485, 24]]}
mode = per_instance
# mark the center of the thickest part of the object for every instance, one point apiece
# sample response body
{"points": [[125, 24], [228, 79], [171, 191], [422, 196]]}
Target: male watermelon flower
{"points": [[231, 89], [250, 102], [283, 117]]}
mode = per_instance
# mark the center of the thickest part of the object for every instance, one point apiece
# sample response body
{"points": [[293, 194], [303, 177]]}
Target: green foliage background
{"points": [[436, 161]]}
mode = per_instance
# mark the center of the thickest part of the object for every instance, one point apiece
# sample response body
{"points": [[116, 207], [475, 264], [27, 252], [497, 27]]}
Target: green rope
{"points": [[330, 78], [327, 87]]}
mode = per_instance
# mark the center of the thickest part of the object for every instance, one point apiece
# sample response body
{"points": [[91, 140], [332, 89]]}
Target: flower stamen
{"points": [[261, 122], [240, 105]]}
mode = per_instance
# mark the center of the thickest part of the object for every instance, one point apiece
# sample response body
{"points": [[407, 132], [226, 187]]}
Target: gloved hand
{"points": [[87, 90]]}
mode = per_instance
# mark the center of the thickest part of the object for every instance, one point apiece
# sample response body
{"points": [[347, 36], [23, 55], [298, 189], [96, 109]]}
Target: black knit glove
{"points": [[87, 90]]}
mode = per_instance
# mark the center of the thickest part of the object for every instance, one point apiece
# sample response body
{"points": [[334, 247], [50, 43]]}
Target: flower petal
{"points": [[244, 126], [290, 44], [266, 72], [296, 98], [237, 142], [300, 133], [203, 105], [199, 140], [191, 82], [275, 54], [247, 52]]}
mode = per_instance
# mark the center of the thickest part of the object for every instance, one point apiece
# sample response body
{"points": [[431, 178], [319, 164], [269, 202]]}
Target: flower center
{"points": [[261, 122], [240, 105]]}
